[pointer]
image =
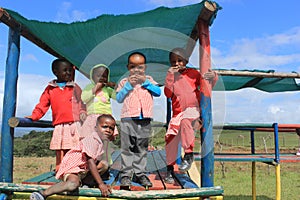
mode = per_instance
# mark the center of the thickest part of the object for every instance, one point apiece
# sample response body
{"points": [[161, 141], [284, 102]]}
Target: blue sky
{"points": [[245, 35]]}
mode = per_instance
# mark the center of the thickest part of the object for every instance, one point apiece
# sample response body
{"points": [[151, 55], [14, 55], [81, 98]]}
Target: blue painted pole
{"points": [[277, 159], [207, 140], [252, 141], [169, 111], [9, 105]]}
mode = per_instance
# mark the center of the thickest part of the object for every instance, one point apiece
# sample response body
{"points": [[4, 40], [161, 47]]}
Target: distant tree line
{"points": [[35, 143]]}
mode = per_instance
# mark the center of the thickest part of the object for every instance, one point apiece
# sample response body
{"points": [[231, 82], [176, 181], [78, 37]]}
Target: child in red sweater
{"points": [[182, 85], [64, 97]]}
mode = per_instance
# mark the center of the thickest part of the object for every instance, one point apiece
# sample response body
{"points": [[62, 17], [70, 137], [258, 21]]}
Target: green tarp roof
{"points": [[109, 39]]}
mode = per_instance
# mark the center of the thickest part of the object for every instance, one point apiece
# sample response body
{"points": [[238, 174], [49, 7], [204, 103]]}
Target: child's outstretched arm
{"points": [[153, 89], [42, 107], [105, 189]]}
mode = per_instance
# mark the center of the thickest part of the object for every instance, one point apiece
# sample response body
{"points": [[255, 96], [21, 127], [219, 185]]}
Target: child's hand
{"points": [[105, 189], [141, 78], [133, 79], [175, 69], [111, 84], [197, 124], [28, 117], [210, 75]]}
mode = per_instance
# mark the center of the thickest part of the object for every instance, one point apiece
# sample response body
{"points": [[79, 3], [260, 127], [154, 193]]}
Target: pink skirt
{"points": [[65, 136]]}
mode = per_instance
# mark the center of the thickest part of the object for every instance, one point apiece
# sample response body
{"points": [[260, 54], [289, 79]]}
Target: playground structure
{"points": [[206, 12], [196, 26]]}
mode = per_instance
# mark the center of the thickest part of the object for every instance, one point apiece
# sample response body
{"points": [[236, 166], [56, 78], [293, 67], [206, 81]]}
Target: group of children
{"points": [[84, 125]]}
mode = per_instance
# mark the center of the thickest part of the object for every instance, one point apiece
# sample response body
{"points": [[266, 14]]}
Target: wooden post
{"points": [[25, 122], [9, 105], [207, 141]]}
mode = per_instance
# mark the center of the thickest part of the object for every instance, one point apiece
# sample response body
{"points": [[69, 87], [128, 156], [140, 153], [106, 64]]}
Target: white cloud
{"points": [[270, 52], [273, 109], [291, 37], [29, 57], [30, 88], [67, 15]]}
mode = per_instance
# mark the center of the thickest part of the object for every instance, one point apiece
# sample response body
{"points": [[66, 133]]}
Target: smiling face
{"points": [[100, 74], [64, 72], [136, 64], [105, 127]]}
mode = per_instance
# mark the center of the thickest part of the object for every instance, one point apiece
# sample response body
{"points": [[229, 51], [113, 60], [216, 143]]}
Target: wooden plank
{"points": [[26, 122], [194, 174], [257, 74], [151, 194], [154, 176], [160, 161], [181, 178], [42, 179]]}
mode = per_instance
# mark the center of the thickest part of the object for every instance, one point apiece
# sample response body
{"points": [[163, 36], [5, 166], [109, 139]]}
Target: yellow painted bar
{"points": [[253, 181], [278, 182], [216, 198]]}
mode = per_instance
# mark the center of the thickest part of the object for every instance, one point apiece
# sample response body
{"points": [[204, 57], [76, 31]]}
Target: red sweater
{"points": [[66, 104], [184, 89]]}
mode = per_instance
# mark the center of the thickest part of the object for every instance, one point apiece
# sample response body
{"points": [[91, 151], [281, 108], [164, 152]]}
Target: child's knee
{"points": [[102, 166], [71, 185]]}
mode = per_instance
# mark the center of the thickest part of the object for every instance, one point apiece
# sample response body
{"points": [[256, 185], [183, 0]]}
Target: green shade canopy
{"points": [[109, 39]]}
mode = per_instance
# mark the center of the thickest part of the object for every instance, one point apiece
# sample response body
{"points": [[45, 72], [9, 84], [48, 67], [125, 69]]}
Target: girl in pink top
{"points": [[182, 85], [86, 157], [63, 95]]}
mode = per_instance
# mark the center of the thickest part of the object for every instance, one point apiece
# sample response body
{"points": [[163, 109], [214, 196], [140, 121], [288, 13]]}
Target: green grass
{"points": [[237, 182]]}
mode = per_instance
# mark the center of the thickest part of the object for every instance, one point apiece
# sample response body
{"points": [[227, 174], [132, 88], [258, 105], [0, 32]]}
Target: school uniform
{"points": [[136, 116]]}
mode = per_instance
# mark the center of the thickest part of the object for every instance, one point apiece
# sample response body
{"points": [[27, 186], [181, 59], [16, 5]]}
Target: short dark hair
{"points": [[57, 62], [179, 51], [137, 53], [109, 116]]}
